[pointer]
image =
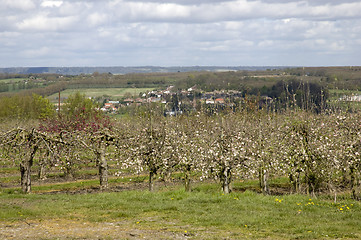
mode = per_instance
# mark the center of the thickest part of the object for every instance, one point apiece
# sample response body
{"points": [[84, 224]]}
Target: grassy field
{"points": [[115, 93], [335, 94], [13, 80], [171, 213]]}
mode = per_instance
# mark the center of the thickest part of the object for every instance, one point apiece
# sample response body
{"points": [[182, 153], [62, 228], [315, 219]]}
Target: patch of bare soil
{"points": [[67, 229]]}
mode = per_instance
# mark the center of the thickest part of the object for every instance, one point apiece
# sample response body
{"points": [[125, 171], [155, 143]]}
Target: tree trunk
{"points": [[41, 173], [151, 184], [68, 170], [167, 175], [354, 184], [187, 179], [69, 166], [42, 166], [344, 180], [295, 181], [103, 166], [226, 179], [333, 190], [308, 179], [263, 178], [298, 182], [25, 177], [307, 184], [265, 189], [25, 171]]}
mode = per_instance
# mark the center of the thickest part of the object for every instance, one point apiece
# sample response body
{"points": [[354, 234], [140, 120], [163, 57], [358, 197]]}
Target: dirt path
{"points": [[67, 229]]}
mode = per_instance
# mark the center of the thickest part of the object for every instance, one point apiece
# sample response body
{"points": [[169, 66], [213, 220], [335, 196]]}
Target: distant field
{"points": [[335, 94], [344, 92], [13, 80], [115, 93]]}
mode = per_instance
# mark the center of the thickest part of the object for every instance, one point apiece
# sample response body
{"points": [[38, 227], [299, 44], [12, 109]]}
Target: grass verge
{"points": [[204, 213]]}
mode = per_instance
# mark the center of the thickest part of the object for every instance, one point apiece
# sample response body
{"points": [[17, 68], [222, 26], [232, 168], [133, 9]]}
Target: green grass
{"points": [[98, 92], [7, 170], [71, 185], [205, 212], [12, 176]]}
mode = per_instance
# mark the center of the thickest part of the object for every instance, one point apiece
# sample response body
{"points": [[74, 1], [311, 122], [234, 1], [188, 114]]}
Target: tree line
{"points": [[246, 81], [25, 107]]}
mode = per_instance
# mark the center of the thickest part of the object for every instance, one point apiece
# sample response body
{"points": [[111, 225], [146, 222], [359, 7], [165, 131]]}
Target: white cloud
{"points": [[36, 52], [179, 32], [97, 19], [23, 5], [231, 11], [46, 23], [266, 44], [51, 3]]}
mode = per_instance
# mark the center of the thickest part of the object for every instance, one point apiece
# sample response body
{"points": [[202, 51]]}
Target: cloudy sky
{"points": [[180, 32]]}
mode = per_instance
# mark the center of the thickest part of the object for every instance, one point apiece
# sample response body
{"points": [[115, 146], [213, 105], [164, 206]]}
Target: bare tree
{"points": [[23, 144]]}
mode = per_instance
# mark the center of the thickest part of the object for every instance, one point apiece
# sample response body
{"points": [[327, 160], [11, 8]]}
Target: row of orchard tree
{"points": [[316, 152]]}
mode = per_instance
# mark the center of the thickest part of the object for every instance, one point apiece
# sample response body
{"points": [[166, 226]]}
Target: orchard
{"points": [[315, 152]]}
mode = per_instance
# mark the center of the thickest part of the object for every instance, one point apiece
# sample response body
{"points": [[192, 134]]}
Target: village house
{"points": [[209, 101], [168, 90], [219, 101], [192, 88], [154, 99], [128, 101], [109, 107]]}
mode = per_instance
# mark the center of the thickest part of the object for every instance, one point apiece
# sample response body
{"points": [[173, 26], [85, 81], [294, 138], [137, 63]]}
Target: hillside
{"points": [[126, 70]]}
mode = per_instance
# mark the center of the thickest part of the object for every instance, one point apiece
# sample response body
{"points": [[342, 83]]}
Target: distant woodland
{"points": [[251, 81], [316, 84]]}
